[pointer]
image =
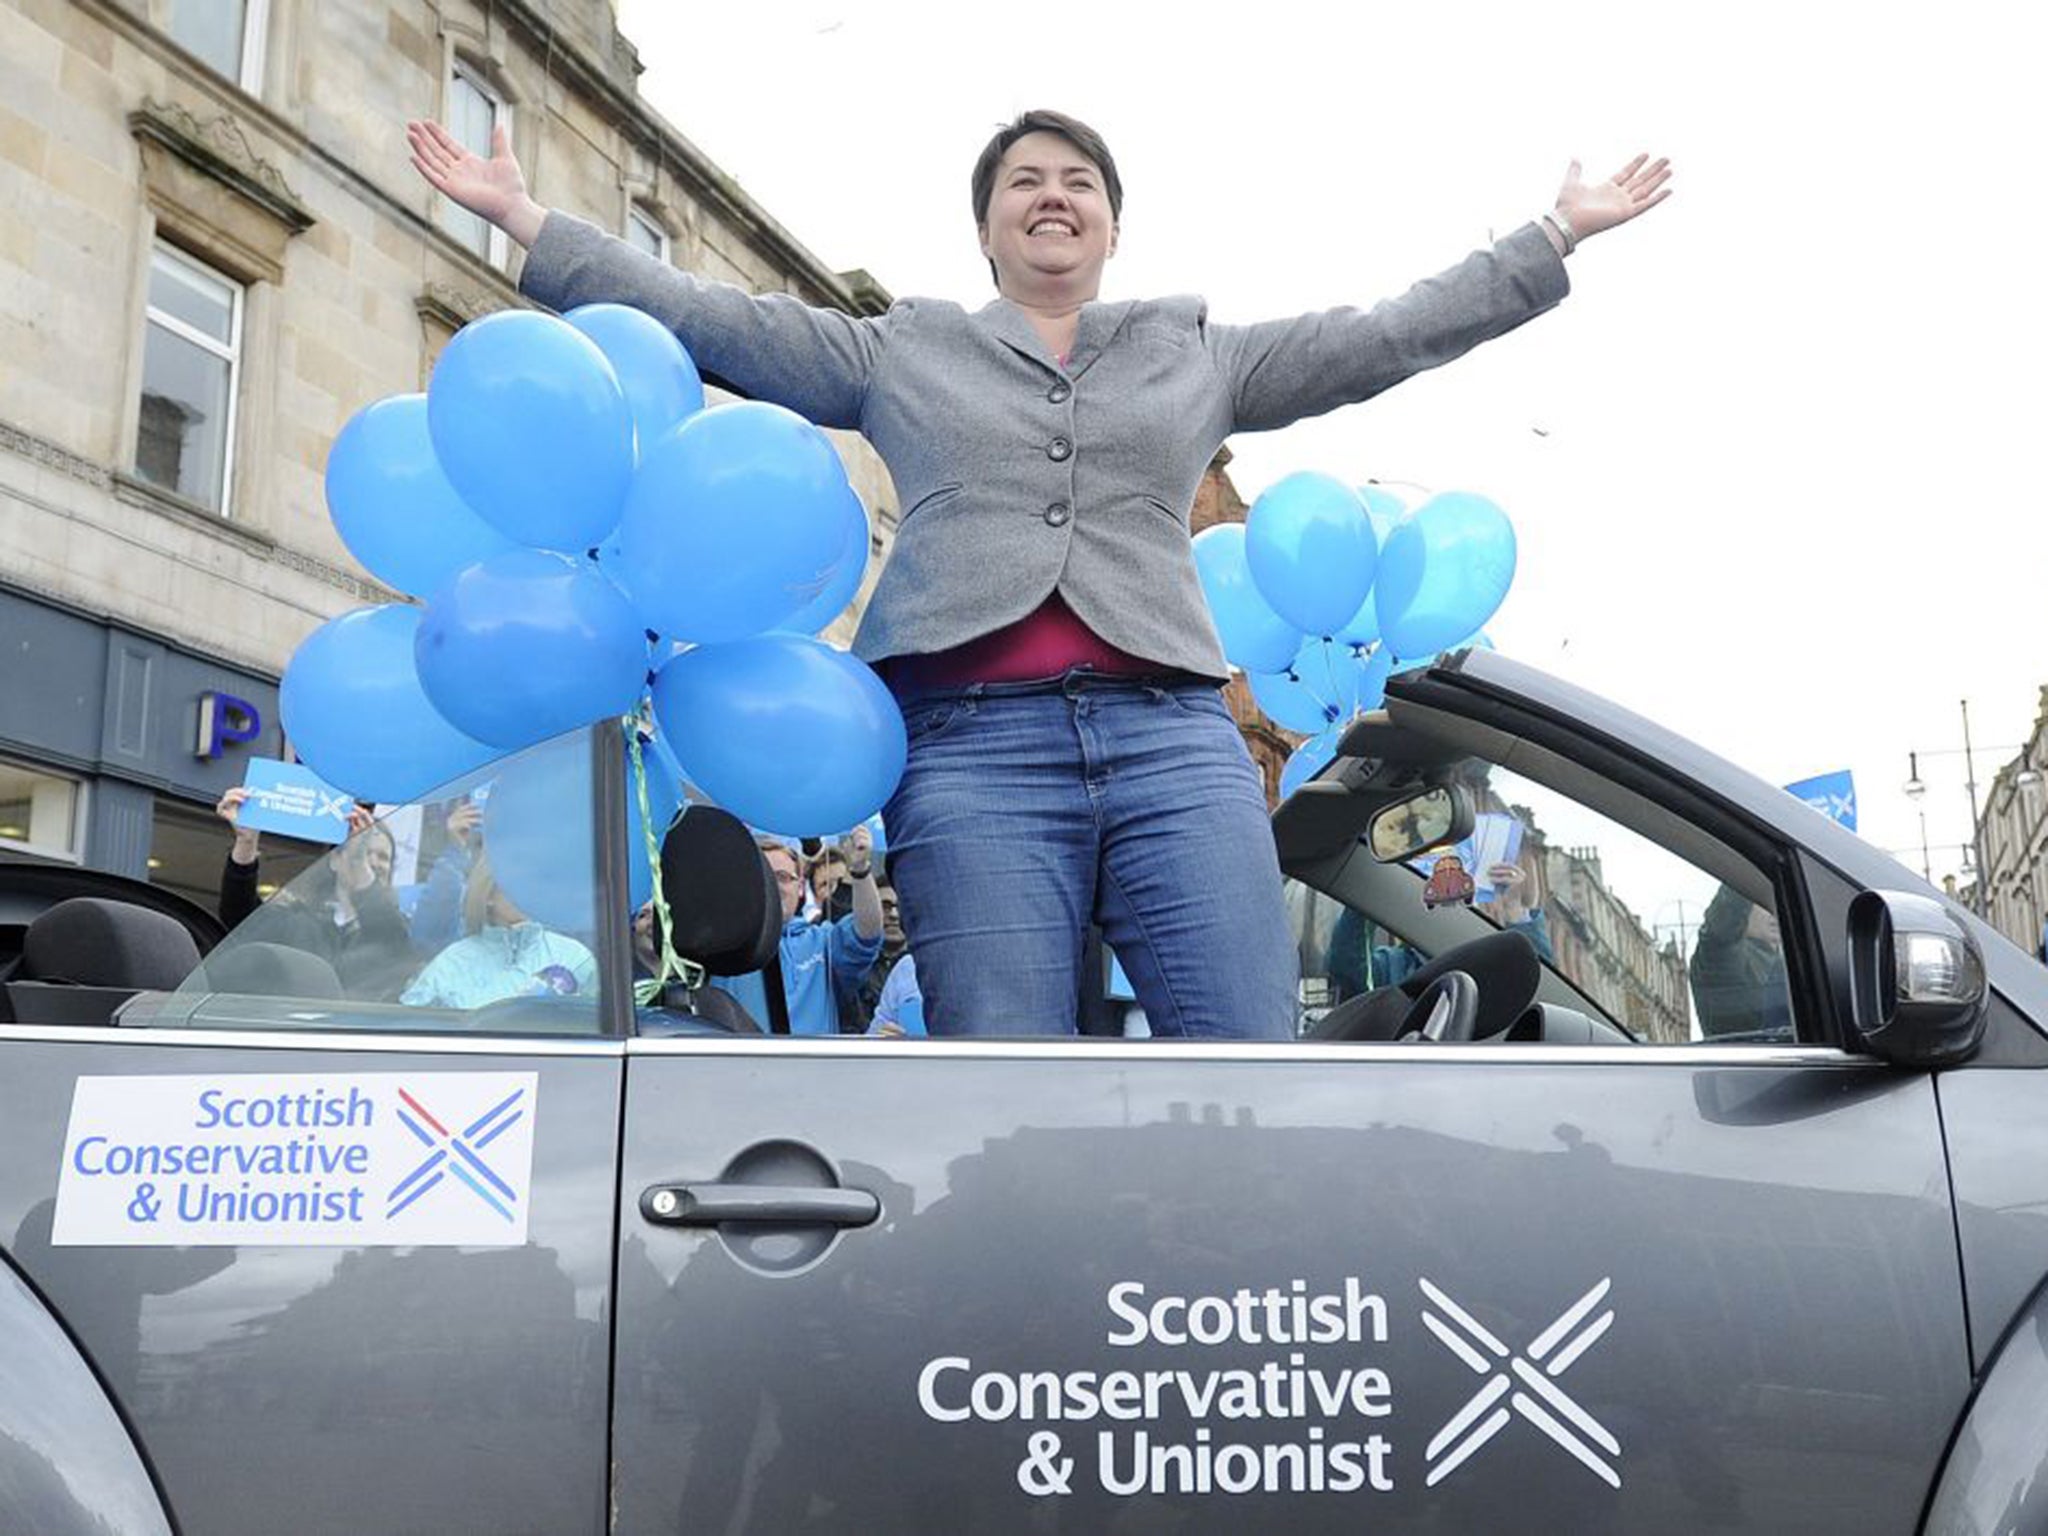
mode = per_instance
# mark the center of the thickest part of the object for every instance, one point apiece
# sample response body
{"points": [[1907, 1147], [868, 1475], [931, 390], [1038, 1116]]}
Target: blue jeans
{"points": [[1028, 810]]}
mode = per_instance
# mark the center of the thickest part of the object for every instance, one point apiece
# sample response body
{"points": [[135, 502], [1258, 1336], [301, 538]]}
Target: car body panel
{"points": [[1773, 1238], [1998, 1161], [348, 1388], [67, 1464], [1995, 1482]]}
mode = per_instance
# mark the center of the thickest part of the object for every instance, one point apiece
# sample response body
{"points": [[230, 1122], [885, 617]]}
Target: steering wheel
{"points": [[1448, 1009]]}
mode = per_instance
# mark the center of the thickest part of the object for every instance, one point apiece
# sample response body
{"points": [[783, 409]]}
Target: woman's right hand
{"points": [[493, 189]]}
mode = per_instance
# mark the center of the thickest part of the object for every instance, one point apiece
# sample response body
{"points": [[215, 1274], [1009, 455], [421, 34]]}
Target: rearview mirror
{"points": [[1427, 819], [1917, 993]]}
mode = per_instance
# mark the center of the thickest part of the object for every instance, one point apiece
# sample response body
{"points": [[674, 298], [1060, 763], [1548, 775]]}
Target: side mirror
{"points": [[1428, 819], [1917, 993]]}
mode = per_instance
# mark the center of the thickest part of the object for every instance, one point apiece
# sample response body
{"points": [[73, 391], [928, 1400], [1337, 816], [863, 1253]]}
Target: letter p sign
{"points": [[225, 721]]}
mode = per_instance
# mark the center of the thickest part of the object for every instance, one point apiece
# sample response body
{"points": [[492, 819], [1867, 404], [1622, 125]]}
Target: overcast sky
{"points": [[1768, 465]]}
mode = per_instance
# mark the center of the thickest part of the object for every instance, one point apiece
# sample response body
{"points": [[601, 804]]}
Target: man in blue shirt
{"points": [[815, 954]]}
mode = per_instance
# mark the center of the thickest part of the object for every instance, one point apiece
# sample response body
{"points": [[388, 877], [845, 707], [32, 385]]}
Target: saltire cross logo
{"points": [[457, 1153], [1545, 1404]]}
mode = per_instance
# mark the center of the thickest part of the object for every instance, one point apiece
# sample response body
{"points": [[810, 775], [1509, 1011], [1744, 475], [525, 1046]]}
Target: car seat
{"points": [[86, 955], [725, 914]]}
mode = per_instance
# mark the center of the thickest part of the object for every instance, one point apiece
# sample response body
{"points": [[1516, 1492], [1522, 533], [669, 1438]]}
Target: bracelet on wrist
{"points": [[1559, 221]]}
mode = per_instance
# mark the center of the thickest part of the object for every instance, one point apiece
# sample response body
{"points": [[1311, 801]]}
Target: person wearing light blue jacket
{"points": [[506, 955], [818, 960]]}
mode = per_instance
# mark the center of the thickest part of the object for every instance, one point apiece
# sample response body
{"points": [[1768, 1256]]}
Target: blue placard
{"points": [[1832, 794], [292, 799]]}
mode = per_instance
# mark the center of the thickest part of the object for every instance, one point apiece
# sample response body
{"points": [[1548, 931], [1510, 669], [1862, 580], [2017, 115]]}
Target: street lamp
{"points": [[1973, 851]]}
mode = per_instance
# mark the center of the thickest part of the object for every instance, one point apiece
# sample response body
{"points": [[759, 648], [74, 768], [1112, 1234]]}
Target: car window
{"points": [[472, 909], [1672, 947]]}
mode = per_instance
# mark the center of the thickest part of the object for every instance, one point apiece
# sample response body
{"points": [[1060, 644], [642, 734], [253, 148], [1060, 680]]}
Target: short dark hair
{"points": [[1043, 120]]}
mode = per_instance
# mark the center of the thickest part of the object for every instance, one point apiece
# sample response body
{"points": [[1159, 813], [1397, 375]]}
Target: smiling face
{"points": [[789, 880], [1049, 223]]}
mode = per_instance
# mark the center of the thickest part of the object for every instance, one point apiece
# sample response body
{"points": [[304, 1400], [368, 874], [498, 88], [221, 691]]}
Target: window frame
{"points": [[230, 352], [497, 248], [638, 215], [74, 851], [247, 75]]}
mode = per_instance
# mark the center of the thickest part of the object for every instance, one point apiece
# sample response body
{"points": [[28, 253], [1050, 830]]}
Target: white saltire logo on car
{"points": [[1539, 1399]]}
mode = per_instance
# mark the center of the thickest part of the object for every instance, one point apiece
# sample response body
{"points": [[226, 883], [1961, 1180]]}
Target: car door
{"points": [[340, 1254], [946, 1285]]}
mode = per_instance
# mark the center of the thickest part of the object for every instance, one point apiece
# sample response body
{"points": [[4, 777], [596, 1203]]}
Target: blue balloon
{"points": [[533, 428], [354, 710], [1311, 550], [660, 380], [848, 573], [784, 731], [537, 831], [393, 506], [735, 523], [1445, 571], [1385, 509], [1308, 760], [1319, 689], [1254, 637], [528, 644], [1373, 672]]}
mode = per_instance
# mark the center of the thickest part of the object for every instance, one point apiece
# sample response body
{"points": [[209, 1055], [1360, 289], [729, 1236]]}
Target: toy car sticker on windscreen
{"points": [[431, 1158], [1448, 883]]}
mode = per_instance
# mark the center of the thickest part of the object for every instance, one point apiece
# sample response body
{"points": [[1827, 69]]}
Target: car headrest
{"points": [[724, 910], [272, 970], [92, 941]]}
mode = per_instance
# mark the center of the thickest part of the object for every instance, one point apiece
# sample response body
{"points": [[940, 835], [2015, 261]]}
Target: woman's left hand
{"points": [[1636, 188]]}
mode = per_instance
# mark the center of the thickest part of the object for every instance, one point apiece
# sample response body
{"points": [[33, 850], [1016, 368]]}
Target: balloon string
{"points": [[673, 966]]}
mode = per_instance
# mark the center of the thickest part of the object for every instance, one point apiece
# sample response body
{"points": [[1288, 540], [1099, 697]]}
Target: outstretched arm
{"points": [[494, 189], [767, 346], [1282, 370]]}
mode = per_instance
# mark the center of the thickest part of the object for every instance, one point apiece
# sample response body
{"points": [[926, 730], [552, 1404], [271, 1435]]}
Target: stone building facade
{"points": [[1605, 948], [2013, 834], [215, 252]]}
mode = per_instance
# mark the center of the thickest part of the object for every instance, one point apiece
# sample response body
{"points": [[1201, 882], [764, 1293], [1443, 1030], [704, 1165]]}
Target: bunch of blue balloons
{"points": [[1324, 591], [579, 527]]}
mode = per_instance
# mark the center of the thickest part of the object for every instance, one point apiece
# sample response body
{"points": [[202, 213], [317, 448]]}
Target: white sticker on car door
{"points": [[426, 1159]]}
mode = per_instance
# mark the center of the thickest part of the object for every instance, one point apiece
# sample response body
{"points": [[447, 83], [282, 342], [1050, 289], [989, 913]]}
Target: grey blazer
{"points": [[1019, 477]]}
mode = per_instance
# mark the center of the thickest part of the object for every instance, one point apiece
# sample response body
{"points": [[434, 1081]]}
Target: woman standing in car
{"points": [[1040, 620]]}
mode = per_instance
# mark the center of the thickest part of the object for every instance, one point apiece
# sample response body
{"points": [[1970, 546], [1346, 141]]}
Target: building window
{"points": [[226, 35], [191, 355], [474, 110], [39, 811], [644, 233]]}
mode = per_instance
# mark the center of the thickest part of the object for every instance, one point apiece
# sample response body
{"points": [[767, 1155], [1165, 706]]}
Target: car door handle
{"points": [[712, 1205]]}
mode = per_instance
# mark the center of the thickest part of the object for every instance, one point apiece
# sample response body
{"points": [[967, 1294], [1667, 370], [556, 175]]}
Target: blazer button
{"points": [[1058, 513], [1058, 449], [1059, 392]]}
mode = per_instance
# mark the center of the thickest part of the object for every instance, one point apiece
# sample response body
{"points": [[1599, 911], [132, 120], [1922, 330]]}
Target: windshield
{"points": [[474, 908]]}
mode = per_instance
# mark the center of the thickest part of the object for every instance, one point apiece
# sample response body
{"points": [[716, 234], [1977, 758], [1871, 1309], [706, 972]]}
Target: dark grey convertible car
{"points": [[1673, 1161]]}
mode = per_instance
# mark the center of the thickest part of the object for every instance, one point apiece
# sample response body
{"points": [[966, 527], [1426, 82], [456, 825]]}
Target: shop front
{"points": [[116, 745]]}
